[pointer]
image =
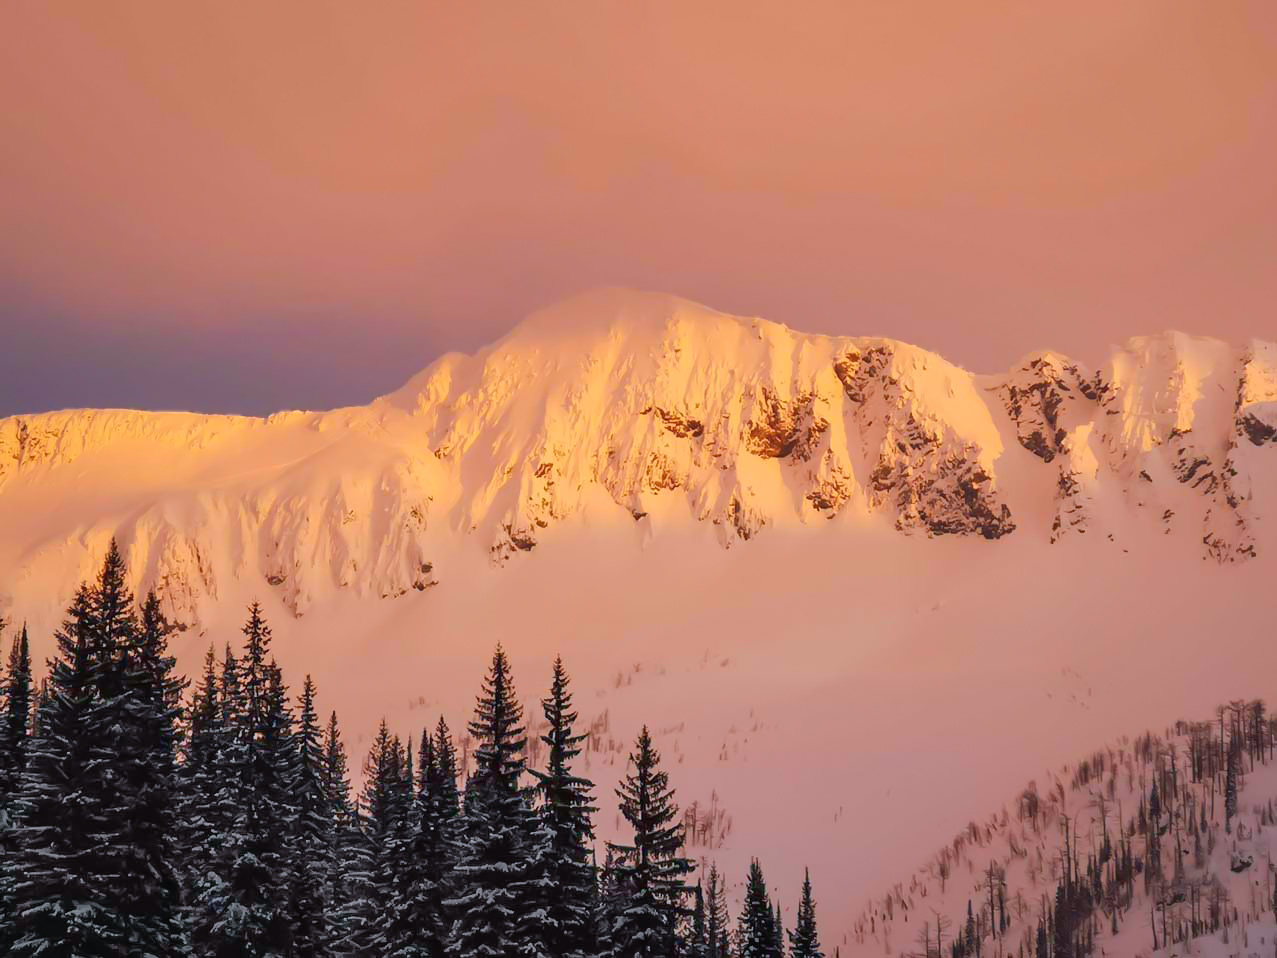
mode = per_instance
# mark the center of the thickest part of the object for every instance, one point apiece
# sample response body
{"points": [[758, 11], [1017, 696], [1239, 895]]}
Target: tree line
{"points": [[140, 817]]}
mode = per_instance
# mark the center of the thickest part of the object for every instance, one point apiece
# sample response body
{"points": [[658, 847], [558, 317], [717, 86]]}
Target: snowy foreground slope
{"points": [[859, 593]]}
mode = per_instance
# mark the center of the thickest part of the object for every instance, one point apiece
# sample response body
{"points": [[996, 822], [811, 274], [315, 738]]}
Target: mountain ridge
{"points": [[671, 412]]}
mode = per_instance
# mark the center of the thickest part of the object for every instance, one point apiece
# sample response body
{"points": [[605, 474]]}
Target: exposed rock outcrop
{"points": [[655, 408]]}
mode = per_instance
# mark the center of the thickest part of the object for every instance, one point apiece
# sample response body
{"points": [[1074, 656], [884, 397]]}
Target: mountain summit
{"points": [[653, 411]]}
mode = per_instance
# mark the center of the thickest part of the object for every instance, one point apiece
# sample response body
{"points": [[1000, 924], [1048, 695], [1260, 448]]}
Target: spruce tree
{"points": [[257, 671], [8, 820], [241, 905], [448, 771], [420, 926], [15, 746], [756, 930], [442, 827], [650, 871], [414, 926], [221, 790], [716, 917], [96, 851], [366, 862], [609, 904], [1230, 785], [16, 733], [64, 902], [41, 700], [204, 717], [278, 759], [203, 820], [492, 864], [352, 855], [234, 712], [312, 846], [559, 904], [114, 624], [407, 918], [803, 940], [148, 710], [336, 775], [698, 942]]}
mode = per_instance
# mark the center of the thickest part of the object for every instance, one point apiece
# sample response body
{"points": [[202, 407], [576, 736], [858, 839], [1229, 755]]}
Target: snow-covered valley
{"points": [[860, 594]]}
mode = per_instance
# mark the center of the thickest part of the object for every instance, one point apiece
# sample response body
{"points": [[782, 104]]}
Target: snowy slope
{"points": [[1201, 866], [658, 411], [827, 571]]}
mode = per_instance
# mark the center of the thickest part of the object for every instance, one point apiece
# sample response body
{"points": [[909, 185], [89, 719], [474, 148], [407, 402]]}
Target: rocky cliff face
{"points": [[667, 410]]}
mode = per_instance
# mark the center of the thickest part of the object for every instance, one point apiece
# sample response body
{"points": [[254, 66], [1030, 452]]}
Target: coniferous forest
{"points": [[145, 815]]}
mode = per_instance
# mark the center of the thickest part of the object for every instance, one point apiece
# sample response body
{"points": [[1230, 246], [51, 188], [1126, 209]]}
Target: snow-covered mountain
{"points": [[860, 594], [662, 412]]}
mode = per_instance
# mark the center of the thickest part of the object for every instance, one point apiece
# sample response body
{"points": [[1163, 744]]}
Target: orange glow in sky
{"points": [[401, 178]]}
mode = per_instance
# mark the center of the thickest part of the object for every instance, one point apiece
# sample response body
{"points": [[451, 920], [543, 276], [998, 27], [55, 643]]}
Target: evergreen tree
{"points": [[96, 851], [148, 712], [202, 820], [1062, 946], [113, 625], [41, 700], [1230, 785], [64, 900], [415, 926], [312, 849], [336, 775], [803, 940], [756, 930], [352, 855], [492, 864], [559, 904], [242, 893], [213, 791], [420, 921], [366, 864], [716, 917], [409, 923], [257, 671], [609, 905], [15, 745], [234, 712], [447, 773], [650, 871], [204, 716], [698, 942], [441, 827], [8, 820], [15, 733]]}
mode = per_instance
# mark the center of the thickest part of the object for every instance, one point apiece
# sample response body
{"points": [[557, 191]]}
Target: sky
{"points": [[242, 207]]}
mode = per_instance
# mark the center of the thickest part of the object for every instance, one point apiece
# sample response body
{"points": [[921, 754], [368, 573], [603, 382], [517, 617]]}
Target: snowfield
{"points": [[861, 595]]}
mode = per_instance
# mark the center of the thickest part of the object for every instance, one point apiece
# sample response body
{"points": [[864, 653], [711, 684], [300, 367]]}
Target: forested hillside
{"points": [[1161, 843]]}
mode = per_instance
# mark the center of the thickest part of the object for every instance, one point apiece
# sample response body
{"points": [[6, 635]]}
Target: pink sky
{"points": [[239, 205]]}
